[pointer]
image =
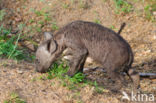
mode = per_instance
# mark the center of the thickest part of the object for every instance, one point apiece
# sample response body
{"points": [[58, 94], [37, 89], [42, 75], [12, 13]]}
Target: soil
{"points": [[38, 16]]}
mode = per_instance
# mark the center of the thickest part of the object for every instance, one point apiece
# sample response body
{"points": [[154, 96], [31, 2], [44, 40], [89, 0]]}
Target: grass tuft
{"points": [[2, 14], [54, 26], [148, 9], [83, 4], [72, 83], [14, 98], [58, 70], [97, 21], [9, 45], [122, 6]]}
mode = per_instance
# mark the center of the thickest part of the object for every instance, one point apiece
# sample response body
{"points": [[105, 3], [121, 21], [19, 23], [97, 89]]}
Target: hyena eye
{"points": [[37, 61]]}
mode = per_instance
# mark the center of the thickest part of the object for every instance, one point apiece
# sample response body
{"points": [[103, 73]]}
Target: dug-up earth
{"points": [[37, 16]]}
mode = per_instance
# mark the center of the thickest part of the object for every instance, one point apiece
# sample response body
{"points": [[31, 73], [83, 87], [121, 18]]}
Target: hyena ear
{"points": [[47, 36], [52, 46]]}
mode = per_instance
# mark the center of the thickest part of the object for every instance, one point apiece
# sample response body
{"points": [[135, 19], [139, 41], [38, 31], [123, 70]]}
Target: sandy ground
{"points": [[21, 77]]}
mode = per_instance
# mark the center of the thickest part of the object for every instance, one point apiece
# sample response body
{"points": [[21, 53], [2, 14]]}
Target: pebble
{"points": [[20, 71], [67, 57], [148, 51], [4, 70], [89, 60], [154, 37], [154, 13], [128, 30], [10, 34], [49, 4]]}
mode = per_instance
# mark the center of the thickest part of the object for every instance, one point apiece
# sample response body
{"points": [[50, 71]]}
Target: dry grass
{"points": [[46, 15]]}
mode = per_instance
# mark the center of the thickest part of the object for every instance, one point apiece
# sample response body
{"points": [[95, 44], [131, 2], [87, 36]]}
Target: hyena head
{"points": [[45, 53]]}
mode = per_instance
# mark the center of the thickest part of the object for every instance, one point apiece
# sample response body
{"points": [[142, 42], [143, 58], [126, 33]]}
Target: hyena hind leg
{"points": [[134, 76], [117, 78]]}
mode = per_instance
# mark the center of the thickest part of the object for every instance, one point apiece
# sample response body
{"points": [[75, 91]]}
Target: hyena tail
{"points": [[121, 28], [134, 76]]}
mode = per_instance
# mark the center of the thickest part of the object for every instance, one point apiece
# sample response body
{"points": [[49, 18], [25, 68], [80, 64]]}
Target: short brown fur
{"points": [[89, 39]]}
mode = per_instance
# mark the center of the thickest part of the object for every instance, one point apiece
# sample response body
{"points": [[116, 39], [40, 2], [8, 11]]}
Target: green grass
{"points": [[54, 26], [38, 29], [9, 45], [104, 1], [2, 14], [72, 1], [45, 19], [72, 83], [148, 9], [97, 21], [31, 21], [112, 27], [65, 6], [43, 13], [57, 71], [42, 0], [97, 88], [122, 6], [153, 6], [14, 98], [83, 5]]}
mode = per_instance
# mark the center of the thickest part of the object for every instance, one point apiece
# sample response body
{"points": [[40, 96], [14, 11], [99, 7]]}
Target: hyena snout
{"points": [[38, 68], [41, 69], [41, 66]]}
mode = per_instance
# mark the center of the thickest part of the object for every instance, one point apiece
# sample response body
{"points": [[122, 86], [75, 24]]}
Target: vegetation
{"points": [[2, 14], [14, 98], [9, 45], [44, 19], [65, 6], [122, 6], [72, 83], [9, 42], [54, 26], [58, 71], [97, 21], [83, 4], [31, 20], [78, 80], [148, 9]]}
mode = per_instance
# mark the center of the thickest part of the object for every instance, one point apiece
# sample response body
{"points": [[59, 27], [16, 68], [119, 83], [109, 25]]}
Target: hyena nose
{"points": [[40, 69]]}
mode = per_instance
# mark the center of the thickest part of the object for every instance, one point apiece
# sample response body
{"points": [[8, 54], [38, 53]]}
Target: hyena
{"points": [[89, 39]]}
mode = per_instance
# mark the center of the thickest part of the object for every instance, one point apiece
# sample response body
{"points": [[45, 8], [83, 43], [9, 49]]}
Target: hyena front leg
{"points": [[77, 62]]}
